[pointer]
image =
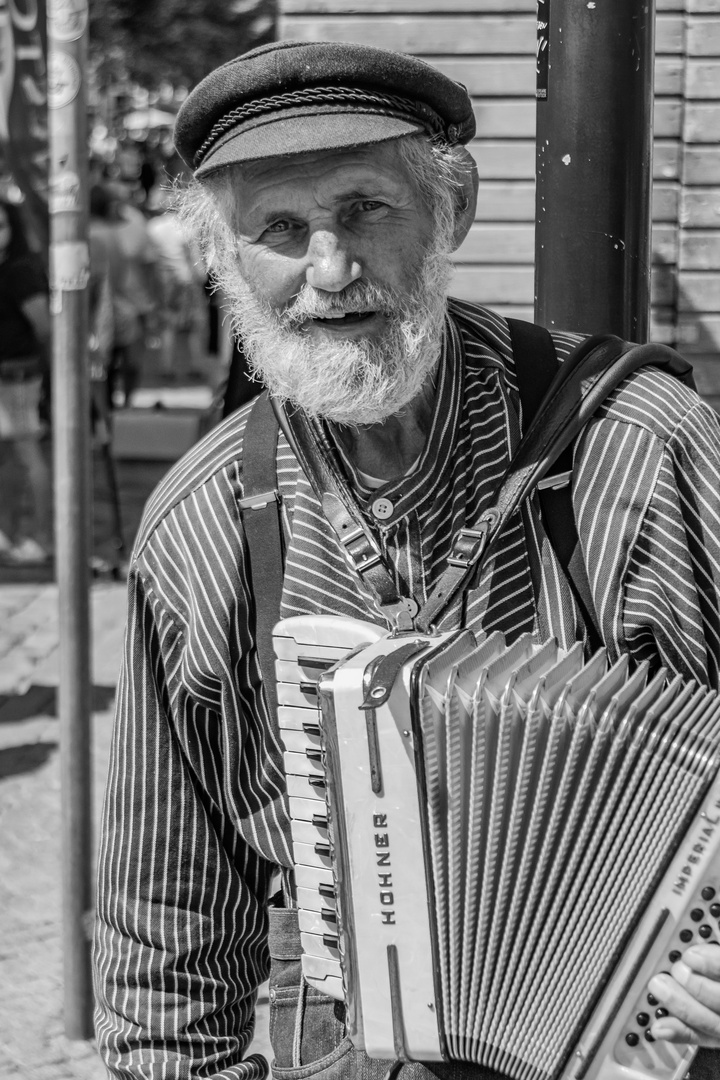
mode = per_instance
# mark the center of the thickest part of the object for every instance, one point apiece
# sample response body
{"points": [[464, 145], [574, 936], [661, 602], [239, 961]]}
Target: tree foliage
{"points": [[150, 42]]}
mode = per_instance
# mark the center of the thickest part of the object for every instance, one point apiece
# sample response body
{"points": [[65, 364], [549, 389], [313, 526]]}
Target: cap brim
{"points": [[303, 133]]}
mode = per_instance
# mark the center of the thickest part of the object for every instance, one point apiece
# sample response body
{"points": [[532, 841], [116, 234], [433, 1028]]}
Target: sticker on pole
{"points": [[63, 80], [67, 19], [64, 191], [69, 266]]}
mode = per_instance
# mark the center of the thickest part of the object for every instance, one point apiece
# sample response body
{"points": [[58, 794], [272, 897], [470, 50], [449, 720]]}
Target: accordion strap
{"points": [[360, 544], [536, 365], [262, 522]]}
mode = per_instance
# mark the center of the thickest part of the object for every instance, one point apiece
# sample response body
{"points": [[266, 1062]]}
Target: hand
{"points": [[692, 998]]}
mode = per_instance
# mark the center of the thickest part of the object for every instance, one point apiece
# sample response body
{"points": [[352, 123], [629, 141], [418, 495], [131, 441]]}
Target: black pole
{"points": [[594, 165], [69, 274]]}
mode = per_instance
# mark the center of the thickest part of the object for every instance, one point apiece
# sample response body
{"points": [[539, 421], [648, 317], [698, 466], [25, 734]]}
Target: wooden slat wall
{"points": [[698, 279], [489, 45]]}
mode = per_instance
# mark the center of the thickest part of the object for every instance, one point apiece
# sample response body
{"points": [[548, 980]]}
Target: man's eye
{"points": [[278, 227], [368, 205]]}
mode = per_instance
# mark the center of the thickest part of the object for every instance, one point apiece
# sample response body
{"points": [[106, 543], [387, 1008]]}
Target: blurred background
{"points": [[159, 348]]}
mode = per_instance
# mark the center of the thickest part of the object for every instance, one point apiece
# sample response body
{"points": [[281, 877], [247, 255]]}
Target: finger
{"points": [[687, 1007], [673, 1030], [706, 989], [703, 959]]}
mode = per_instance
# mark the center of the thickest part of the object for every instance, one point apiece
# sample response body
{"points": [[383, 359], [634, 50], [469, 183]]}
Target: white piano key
{"points": [[306, 787], [305, 832], [295, 717], [310, 900], [322, 921], [302, 764], [312, 854], [321, 945], [297, 742], [310, 810]]}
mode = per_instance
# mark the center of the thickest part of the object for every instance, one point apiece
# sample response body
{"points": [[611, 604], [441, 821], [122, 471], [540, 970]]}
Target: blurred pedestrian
{"points": [[132, 279], [26, 535], [183, 312]]}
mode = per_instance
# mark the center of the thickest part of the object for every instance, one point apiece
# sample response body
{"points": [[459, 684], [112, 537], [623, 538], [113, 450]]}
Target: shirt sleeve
{"points": [[672, 586], [180, 942]]}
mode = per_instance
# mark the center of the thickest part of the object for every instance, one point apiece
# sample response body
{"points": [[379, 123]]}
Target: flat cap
{"points": [[295, 97]]}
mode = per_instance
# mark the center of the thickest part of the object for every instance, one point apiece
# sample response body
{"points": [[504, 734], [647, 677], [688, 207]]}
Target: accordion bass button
{"points": [[708, 893], [643, 1019], [632, 1038]]}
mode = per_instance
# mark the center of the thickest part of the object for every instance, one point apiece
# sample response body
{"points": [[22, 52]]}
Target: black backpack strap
{"points": [[536, 365], [262, 521]]}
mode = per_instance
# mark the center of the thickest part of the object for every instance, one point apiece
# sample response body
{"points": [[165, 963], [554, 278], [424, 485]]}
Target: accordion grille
{"points": [[547, 837]]}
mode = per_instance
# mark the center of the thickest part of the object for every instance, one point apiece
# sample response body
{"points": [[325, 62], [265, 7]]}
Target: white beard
{"points": [[349, 381]]}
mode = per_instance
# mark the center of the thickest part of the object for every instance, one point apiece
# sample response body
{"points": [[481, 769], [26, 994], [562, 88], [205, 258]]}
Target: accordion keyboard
{"points": [[302, 656]]}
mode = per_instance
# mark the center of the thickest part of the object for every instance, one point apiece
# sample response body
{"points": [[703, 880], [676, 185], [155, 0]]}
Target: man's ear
{"points": [[466, 197]]}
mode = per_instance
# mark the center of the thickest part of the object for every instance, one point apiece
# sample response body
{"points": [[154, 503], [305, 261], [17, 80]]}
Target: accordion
{"points": [[496, 847]]}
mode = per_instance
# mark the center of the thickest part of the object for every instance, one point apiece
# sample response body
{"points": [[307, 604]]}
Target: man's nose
{"points": [[331, 264]]}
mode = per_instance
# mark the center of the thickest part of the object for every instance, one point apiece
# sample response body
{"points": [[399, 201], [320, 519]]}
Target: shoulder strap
{"points": [[536, 365], [582, 384], [262, 523]]}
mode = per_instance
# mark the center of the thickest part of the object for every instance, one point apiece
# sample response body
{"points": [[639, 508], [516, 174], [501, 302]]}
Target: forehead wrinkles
{"points": [[325, 178]]}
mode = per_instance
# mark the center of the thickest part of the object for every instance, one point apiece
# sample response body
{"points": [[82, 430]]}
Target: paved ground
{"points": [[32, 1043]]}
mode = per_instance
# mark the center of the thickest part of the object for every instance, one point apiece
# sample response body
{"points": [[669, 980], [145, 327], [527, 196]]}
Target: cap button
{"points": [[382, 509]]}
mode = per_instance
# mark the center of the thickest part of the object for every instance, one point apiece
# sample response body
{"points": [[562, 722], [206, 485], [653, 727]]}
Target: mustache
{"points": [[358, 296]]}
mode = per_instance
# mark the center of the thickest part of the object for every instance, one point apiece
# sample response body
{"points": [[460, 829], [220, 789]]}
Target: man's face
{"points": [[337, 284], [327, 220]]}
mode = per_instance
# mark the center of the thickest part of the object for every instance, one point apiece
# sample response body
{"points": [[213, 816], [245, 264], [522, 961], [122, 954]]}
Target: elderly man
{"points": [[332, 184]]}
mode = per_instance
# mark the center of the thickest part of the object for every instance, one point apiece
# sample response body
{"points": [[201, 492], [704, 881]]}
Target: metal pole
{"points": [[69, 271], [594, 165]]}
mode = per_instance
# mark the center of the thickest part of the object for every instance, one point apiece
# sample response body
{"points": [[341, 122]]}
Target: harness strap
{"points": [[341, 509], [262, 521], [536, 365]]}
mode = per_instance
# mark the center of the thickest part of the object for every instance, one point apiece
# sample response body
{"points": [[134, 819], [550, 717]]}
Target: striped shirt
{"points": [[195, 818]]}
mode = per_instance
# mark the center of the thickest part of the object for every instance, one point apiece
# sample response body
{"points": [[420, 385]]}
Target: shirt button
{"points": [[382, 509]]}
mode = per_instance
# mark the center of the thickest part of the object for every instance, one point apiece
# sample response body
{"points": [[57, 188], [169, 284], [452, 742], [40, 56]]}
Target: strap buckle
{"points": [[401, 614], [473, 541], [365, 556], [258, 502], [555, 480], [351, 535], [367, 562]]}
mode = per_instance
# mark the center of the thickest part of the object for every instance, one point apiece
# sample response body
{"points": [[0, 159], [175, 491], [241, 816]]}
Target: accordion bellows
{"points": [[497, 847]]}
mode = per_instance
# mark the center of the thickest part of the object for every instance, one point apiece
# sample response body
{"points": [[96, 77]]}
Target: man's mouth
{"points": [[342, 318]]}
